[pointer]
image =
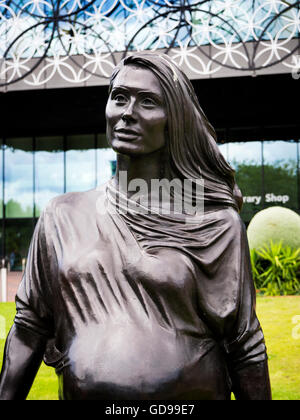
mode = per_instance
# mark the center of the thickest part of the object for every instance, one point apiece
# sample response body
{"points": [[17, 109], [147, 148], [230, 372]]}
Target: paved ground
{"points": [[13, 281]]}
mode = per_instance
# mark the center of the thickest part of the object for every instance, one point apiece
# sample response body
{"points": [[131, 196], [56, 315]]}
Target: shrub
{"points": [[275, 224], [276, 269]]}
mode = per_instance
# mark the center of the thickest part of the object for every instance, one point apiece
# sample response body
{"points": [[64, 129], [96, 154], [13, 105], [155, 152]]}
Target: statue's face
{"points": [[135, 113]]}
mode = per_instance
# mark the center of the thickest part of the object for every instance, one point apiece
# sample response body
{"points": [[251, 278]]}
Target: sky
{"points": [[252, 151]]}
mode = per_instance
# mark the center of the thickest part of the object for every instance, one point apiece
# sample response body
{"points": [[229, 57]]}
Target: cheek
{"points": [[110, 113], [111, 119], [157, 126]]}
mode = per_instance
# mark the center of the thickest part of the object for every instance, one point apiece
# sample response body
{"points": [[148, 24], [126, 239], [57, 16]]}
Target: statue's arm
{"points": [[33, 324], [248, 363], [245, 346], [23, 354], [252, 382]]}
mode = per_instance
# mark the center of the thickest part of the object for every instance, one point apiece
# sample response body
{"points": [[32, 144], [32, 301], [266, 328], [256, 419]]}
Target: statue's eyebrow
{"points": [[139, 91]]}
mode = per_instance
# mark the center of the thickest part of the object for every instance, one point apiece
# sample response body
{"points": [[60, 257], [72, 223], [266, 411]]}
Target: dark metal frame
{"points": [[176, 9]]}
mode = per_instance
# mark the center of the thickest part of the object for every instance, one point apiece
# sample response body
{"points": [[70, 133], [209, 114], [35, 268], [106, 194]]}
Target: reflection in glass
{"points": [[19, 178], [18, 233], [1, 198], [224, 150], [280, 173], [298, 176], [49, 170], [1, 181], [106, 159], [246, 159], [80, 163], [89, 161], [113, 165]]}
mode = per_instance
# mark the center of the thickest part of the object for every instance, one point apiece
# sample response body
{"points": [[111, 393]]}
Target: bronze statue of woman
{"points": [[128, 304]]}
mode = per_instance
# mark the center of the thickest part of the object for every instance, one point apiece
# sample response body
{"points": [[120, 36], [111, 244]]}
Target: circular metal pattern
{"points": [[77, 39]]}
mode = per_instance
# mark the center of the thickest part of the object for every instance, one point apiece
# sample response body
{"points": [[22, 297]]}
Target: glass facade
{"points": [[34, 170], [18, 176], [267, 174], [48, 170], [80, 163]]}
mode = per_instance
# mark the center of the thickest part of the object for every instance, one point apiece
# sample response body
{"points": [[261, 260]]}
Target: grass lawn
{"points": [[45, 384], [277, 316]]}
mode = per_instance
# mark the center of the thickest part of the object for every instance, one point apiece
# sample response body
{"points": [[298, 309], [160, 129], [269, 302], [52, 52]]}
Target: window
{"points": [[49, 170], [224, 150], [1, 179], [106, 159], [246, 159], [18, 234], [80, 163], [280, 173], [19, 178]]}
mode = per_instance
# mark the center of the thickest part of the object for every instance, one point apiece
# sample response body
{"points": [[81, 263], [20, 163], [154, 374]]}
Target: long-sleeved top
{"points": [[140, 306]]}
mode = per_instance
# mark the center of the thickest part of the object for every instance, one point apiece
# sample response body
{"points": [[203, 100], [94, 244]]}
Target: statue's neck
{"points": [[144, 167]]}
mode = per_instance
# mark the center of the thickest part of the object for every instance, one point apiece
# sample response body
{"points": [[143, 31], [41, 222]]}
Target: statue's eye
{"points": [[120, 99], [149, 102]]}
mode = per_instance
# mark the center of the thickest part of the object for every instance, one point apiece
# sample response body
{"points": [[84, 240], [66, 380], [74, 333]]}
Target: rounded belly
{"points": [[125, 362]]}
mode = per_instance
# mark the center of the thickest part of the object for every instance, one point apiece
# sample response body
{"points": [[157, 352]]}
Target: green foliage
{"points": [[280, 178], [276, 270], [15, 209]]}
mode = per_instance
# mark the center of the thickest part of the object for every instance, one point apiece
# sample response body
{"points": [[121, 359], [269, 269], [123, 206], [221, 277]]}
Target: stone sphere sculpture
{"points": [[276, 224]]}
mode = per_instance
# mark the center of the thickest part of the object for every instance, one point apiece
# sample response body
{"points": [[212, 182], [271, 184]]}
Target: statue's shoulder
{"points": [[74, 202], [234, 221], [230, 217]]}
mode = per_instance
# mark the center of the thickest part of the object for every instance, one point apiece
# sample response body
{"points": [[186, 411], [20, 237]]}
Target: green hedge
{"points": [[276, 270]]}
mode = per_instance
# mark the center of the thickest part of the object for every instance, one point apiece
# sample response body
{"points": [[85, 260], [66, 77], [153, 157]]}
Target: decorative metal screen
{"points": [[77, 40]]}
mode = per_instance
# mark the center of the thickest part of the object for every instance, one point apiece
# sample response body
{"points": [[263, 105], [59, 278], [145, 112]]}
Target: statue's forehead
{"points": [[138, 79]]}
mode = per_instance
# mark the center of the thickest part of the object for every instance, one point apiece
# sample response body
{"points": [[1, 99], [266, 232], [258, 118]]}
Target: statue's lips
{"points": [[126, 134]]}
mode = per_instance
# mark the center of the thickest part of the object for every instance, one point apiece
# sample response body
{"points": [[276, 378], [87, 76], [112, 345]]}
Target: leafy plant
{"points": [[276, 269]]}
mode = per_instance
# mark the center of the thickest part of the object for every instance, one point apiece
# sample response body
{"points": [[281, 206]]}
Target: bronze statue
{"points": [[143, 305]]}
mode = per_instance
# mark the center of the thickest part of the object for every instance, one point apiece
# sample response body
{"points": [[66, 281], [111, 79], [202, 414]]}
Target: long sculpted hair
{"points": [[192, 149]]}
